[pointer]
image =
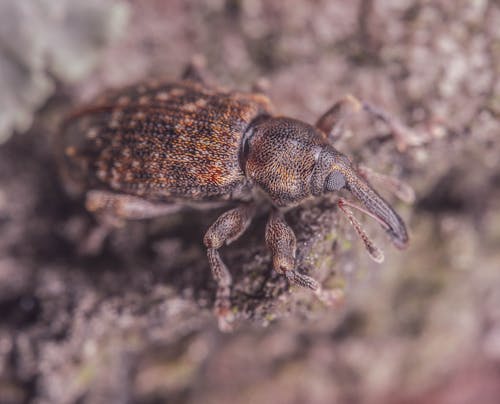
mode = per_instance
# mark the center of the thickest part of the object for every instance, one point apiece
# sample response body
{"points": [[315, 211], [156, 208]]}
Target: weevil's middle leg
{"points": [[227, 228], [281, 241]]}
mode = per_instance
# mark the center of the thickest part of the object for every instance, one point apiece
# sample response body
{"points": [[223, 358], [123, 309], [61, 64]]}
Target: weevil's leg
{"points": [[332, 121], [121, 206], [375, 253], [111, 210], [261, 85], [195, 70], [402, 134], [394, 185], [281, 241], [93, 243], [227, 228]]}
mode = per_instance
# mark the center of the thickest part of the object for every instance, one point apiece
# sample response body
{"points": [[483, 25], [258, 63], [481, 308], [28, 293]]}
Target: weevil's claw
{"points": [[404, 191], [222, 309], [354, 101], [93, 244], [224, 315], [225, 319], [330, 298]]}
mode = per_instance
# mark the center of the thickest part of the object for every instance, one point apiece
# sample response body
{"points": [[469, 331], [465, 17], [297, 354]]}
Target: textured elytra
{"points": [[163, 142]]}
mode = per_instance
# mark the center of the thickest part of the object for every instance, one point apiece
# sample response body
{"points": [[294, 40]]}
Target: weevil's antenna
{"points": [[375, 253]]}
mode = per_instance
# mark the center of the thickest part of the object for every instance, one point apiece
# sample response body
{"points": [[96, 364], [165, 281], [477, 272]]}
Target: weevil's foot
{"points": [[93, 244], [331, 297], [225, 318], [222, 309], [302, 280]]}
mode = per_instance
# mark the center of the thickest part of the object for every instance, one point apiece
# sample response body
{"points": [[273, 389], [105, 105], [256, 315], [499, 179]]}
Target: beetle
{"points": [[152, 148]]}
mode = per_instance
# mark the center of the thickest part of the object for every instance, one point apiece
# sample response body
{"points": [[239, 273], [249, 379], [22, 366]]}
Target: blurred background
{"points": [[133, 323]]}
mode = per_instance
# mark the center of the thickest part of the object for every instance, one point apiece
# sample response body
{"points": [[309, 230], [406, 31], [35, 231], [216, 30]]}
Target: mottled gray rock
{"points": [[44, 41]]}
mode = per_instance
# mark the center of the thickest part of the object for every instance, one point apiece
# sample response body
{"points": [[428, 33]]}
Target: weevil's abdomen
{"points": [[162, 141]]}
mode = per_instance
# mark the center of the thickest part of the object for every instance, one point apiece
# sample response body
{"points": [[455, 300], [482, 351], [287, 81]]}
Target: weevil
{"points": [[152, 148]]}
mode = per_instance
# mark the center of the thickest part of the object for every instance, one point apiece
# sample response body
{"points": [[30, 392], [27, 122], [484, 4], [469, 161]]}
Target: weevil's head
{"points": [[292, 161]]}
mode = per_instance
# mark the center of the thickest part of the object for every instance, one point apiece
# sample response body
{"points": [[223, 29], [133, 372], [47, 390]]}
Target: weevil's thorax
{"points": [[164, 141], [280, 156]]}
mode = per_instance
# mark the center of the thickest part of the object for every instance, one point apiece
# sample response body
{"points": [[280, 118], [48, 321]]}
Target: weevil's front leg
{"points": [[402, 134], [227, 228], [281, 241], [332, 121]]}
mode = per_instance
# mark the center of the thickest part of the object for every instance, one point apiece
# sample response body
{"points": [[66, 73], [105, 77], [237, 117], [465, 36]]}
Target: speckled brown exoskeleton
{"points": [[151, 148]]}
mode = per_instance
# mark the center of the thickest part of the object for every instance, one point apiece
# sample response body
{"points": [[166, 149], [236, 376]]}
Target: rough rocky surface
{"points": [[38, 38], [133, 323]]}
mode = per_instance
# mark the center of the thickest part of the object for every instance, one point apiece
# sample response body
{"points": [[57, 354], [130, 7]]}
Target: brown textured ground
{"points": [[133, 324]]}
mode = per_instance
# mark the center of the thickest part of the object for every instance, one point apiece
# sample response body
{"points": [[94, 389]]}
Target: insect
{"points": [[150, 149]]}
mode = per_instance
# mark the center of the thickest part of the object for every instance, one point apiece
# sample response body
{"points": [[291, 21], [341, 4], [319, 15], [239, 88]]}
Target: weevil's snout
{"points": [[334, 171], [378, 208]]}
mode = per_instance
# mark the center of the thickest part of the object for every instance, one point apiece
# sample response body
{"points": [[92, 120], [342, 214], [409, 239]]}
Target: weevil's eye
{"points": [[335, 181]]}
